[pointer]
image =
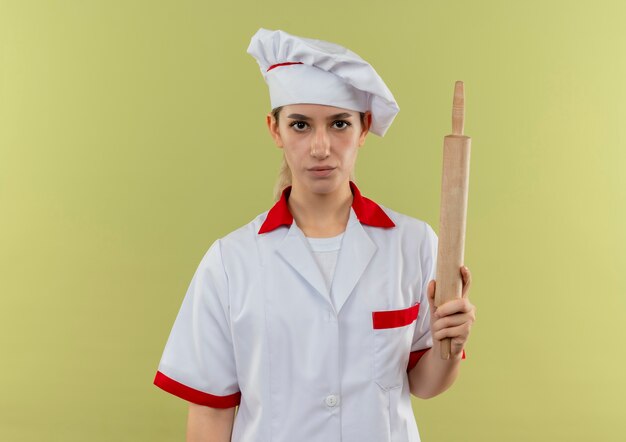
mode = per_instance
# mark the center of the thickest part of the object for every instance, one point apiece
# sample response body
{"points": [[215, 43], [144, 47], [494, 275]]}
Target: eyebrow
{"points": [[331, 117]]}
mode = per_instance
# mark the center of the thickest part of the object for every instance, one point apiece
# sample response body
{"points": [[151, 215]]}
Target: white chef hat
{"points": [[304, 70]]}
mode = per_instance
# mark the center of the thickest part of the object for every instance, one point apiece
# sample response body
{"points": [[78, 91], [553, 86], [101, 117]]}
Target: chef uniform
{"points": [[311, 338]]}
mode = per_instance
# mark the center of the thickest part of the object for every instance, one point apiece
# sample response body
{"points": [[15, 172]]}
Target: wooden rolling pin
{"points": [[453, 210]]}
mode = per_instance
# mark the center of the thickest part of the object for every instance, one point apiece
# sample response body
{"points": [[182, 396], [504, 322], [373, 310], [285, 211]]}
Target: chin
{"points": [[325, 185]]}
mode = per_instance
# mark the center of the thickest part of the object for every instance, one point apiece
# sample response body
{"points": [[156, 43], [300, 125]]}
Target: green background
{"points": [[132, 135]]}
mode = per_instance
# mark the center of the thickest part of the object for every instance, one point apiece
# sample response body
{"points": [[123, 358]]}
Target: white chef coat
{"points": [[257, 329]]}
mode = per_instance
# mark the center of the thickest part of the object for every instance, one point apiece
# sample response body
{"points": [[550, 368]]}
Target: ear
{"points": [[367, 123], [272, 126]]}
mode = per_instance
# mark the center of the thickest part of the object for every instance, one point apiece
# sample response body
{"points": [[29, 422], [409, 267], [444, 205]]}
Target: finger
{"points": [[466, 275], [459, 334], [462, 305], [452, 321]]}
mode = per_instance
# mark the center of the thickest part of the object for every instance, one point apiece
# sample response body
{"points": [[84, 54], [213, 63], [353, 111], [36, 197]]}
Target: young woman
{"points": [[317, 318]]}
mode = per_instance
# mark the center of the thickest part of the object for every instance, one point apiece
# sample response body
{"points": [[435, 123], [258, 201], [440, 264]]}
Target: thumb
{"points": [[430, 291]]}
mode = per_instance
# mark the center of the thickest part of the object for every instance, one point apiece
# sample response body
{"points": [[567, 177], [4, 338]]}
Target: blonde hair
{"points": [[284, 173]]}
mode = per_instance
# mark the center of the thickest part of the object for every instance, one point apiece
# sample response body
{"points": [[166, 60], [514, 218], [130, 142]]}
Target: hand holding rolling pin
{"points": [[453, 319], [452, 313]]}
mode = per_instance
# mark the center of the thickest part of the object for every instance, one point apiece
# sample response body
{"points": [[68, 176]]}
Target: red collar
{"points": [[366, 210]]}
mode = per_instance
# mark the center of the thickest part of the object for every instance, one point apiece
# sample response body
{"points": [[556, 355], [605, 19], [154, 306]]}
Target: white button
{"points": [[331, 400]]}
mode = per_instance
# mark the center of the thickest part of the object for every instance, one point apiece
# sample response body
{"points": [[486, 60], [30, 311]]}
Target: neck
{"points": [[320, 215]]}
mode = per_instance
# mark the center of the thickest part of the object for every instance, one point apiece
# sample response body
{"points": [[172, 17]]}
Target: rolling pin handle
{"points": [[458, 109]]}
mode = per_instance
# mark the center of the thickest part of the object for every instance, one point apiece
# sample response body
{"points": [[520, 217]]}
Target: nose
{"points": [[320, 144]]}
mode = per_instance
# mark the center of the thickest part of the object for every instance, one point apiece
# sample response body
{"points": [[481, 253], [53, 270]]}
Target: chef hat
{"points": [[303, 70]]}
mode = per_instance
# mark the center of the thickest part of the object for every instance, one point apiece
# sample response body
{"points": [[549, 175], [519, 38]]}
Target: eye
{"points": [[342, 124], [299, 126]]}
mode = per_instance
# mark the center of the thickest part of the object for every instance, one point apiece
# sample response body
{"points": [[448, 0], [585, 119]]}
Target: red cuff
{"points": [[415, 356], [196, 396]]}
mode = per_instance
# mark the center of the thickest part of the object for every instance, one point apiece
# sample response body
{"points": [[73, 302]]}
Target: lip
{"points": [[321, 171]]}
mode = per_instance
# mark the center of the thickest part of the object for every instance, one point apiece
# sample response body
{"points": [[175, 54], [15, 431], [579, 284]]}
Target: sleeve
{"points": [[198, 362], [422, 338]]}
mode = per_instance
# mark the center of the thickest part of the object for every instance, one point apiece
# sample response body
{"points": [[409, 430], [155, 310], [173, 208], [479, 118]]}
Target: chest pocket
{"points": [[393, 335]]}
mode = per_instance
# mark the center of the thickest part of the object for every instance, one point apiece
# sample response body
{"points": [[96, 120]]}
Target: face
{"points": [[320, 143]]}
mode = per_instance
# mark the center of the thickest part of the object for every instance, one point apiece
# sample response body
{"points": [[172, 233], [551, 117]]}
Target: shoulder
{"points": [[246, 232], [414, 237], [243, 243], [407, 225]]}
